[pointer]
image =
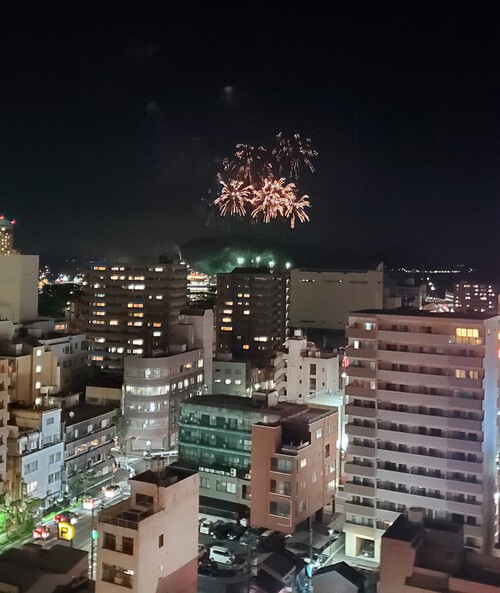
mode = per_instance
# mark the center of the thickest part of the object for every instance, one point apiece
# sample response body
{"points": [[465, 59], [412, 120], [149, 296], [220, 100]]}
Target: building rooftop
{"points": [[81, 412], [246, 404], [413, 312], [163, 477], [24, 567]]}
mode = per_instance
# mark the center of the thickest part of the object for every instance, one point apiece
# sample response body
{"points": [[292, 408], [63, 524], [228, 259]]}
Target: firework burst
{"points": [[272, 199], [292, 153], [249, 163], [295, 210], [234, 197]]}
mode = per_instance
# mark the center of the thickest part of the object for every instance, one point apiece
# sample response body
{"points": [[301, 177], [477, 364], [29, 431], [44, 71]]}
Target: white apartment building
{"points": [[152, 391], [421, 404], [230, 377], [301, 369], [18, 287], [323, 298], [35, 454], [149, 542]]}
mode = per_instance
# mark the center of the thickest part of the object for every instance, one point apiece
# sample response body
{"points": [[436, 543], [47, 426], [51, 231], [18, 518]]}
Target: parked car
{"points": [[91, 503], [208, 567], [66, 517], [235, 531], [221, 555], [220, 530], [111, 491], [205, 526], [41, 532], [251, 535], [202, 551]]}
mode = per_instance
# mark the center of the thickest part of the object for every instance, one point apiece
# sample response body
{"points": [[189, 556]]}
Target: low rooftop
{"points": [[81, 412], [234, 402], [414, 312]]}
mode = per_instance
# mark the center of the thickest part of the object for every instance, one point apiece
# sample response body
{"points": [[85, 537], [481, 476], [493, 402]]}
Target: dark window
{"points": [[160, 541]]}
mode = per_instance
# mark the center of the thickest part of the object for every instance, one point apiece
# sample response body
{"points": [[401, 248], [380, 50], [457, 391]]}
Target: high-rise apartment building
{"points": [[149, 542], [252, 313], [475, 297], [6, 235], [301, 369], [131, 309], [421, 403], [4, 417]]}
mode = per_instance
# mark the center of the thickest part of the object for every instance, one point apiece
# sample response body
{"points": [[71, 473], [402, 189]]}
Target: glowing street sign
{"points": [[66, 531]]}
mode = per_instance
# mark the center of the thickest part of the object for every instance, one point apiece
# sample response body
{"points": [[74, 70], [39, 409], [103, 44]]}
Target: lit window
{"points": [[38, 368], [369, 326], [246, 295], [227, 311], [39, 352], [229, 303], [159, 297], [237, 381], [156, 324], [227, 319], [227, 381], [226, 328], [356, 344], [200, 363], [246, 347], [38, 384], [138, 342], [156, 334], [113, 322], [246, 312], [217, 380]]}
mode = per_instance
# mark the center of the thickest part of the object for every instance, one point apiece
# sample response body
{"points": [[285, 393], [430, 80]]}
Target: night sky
{"points": [[115, 117]]}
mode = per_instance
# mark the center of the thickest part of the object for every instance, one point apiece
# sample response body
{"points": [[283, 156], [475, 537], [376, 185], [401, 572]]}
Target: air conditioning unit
{"points": [[232, 472]]}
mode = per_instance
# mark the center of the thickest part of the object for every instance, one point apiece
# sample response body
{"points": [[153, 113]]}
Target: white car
{"points": [[205, 526], [111, 491]]}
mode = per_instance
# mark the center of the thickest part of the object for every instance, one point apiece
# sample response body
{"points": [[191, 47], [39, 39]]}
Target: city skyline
{"points": [[116, 123]]}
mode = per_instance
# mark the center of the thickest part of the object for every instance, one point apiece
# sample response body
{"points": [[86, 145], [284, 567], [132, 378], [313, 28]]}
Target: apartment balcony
{"points": [[361, 372], [434, 381], [425, 440], [411, 500], [361, 333], [126, 515], [362, 353], [386, 515], [464, 508], [354, 410], [359, 489], [196, 423], [437, 401], [412, 459], [473, 531], [221, 447], [411, 480], [419, 339], [354, 391], [437, 360], [361, 451], [358, 509], [360, 431], [429, 420], [355, 469]]}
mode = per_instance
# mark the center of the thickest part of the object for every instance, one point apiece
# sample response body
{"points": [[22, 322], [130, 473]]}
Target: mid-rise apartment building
{"points": [[294, 464], [149, 542], [421, 404], [152, 392], [35, 457], [301, 369], [475, 297], [130, 309], [231, 377], [33, 370], [89, 435], [252, 313]]}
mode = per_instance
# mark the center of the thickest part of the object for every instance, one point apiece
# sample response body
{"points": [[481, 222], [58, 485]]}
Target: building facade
{"points": [[153, 390], [6, 235], [130, 309], [18, 287], [149, 542], [230, 377], [4, 418], [251, 314], [301, 369], [425, 555], [323, 298], [35, 457], [421, 404], [89, 435], [294, 465], [475, 297]]}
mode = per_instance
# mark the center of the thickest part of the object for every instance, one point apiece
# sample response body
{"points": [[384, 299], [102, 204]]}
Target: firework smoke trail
{"points": [[234, 197], [292, 153]]}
